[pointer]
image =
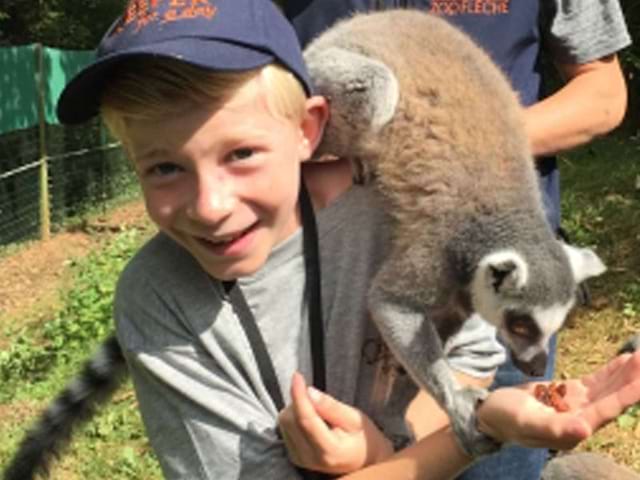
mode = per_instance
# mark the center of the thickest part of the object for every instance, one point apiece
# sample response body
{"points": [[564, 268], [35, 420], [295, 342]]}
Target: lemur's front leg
{"points": [[415, 342]]}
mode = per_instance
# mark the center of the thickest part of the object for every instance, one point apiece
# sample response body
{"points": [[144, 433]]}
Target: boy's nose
{"points": [[213, 200]]}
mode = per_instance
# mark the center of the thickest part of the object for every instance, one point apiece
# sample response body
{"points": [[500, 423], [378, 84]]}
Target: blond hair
{"points": [[149, 88]]}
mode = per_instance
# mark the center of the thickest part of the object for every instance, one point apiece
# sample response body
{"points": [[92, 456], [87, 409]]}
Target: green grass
{"points": [[601, 208], [45, 355]]}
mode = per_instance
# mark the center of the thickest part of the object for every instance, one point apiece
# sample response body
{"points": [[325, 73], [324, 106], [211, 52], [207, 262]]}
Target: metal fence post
{"points": [[45, 211]]}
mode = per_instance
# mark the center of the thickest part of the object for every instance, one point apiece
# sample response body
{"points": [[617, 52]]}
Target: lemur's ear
{"points": [[504, 271], [584, 262], [364, 87]]}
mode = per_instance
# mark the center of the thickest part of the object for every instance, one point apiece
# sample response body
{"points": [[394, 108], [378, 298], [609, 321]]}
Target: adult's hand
{"points": [[514, 415]]}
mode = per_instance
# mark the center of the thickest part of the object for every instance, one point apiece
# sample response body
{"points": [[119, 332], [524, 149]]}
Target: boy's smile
{"points": [[223, 183]]}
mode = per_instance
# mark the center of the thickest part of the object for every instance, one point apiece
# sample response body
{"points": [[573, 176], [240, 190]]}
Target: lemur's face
{"points": [[529, 303], [527, 334]]}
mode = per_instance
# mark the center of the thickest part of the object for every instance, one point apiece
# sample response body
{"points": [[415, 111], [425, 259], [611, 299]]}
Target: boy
{"points": [[212, 103]]}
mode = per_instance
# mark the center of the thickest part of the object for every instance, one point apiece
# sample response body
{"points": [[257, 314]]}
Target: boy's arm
{"points": [[325, 434], [322, 433], [511, 415], [202, 422], [425, 416], [202, 400], [437, 457], [474, 354]]}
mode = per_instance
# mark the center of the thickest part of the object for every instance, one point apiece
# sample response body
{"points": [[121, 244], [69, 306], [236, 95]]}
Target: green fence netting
{"points": [[50, 173], [26, 73], [18, 88], [60, 66]]}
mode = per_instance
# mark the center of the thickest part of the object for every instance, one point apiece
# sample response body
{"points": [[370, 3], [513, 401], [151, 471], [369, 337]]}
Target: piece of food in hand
{"points": [[552, 395]]}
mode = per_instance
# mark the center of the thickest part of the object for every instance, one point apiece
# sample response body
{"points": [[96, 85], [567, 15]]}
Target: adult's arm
{"points": [[582, 38], [591, 103]]}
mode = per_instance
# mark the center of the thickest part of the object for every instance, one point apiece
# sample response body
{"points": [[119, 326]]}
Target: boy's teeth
{"points": [[220, 241]]}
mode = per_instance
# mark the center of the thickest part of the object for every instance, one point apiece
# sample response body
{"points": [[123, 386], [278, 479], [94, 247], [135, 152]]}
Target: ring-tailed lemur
{"points": [[429, 120], [435, 127]]}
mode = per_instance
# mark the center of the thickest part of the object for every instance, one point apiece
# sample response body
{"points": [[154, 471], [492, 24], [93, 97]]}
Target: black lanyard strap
{"points": [[313, 295], [250, 327], [312, 292], [313, 288]]}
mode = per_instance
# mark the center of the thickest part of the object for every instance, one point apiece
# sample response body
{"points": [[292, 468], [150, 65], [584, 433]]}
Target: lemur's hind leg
{"points": [[415, 342]]}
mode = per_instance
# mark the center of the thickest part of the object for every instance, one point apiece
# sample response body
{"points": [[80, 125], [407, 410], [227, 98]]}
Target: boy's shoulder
{"points": [[357, 210], [161, 257], [162, 297], [164, 271]]}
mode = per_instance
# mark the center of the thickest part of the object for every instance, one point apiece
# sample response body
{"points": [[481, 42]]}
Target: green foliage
{"points": [[69, 24], [85, 318], [630, 418], [41, 361], [601, 207], [87, 312]]}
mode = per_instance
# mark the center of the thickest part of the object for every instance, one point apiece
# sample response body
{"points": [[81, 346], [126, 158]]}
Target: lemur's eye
{"points": [[522, 325], [519, 329]]}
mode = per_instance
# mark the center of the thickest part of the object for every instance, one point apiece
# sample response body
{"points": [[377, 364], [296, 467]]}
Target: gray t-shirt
{"points": [[206, 410], [580, 31]]}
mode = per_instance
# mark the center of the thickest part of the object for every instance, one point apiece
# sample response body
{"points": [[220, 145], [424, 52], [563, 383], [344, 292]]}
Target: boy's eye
{"points": [[163, 169], [242, 153]]}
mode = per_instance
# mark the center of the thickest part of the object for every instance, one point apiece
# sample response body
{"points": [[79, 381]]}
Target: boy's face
{"points": [[223, 184]]}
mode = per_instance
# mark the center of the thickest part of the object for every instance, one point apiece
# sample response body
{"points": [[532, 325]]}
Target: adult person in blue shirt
{"points": [[582, 39]]}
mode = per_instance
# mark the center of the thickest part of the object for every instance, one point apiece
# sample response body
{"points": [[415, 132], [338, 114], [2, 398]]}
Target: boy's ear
{"points": [[312, 126]]}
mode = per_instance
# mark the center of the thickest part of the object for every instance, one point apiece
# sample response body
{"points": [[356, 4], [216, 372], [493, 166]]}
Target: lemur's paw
{"points": [[631, 345], [465, 423]]}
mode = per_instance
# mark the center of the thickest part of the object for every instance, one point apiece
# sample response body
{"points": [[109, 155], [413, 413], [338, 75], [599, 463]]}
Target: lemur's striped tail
{"points": [[631, 345], [99, 379]]}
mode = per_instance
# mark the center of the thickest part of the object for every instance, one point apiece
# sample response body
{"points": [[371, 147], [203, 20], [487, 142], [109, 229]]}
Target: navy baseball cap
{"points": [[231, 35]]}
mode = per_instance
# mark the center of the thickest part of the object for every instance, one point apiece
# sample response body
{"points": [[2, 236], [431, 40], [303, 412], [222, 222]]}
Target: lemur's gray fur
{"points": [[432, 123], [631, 345]]}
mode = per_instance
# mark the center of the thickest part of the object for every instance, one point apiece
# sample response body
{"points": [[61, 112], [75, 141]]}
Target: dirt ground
{"points": [[32, 275]]}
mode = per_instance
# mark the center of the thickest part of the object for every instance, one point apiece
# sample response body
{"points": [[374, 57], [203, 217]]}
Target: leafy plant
{"points": [[39, 362], [630, 418], [57, 23], [85, 318]]}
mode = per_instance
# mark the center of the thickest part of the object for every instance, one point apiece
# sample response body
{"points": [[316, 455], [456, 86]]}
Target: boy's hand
{"points": [[329, 436], [514, 414]]}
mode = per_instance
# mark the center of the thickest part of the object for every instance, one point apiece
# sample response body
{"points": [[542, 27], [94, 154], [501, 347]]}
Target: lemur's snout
{"points": [[534, 367]]}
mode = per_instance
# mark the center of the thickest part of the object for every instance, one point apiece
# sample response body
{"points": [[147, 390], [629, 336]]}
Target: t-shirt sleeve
{"points": [[203, 409], [201, 425], [475, 350], [580, 31]]}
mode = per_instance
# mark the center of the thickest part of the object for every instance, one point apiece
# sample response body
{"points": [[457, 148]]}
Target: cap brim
{"points": [[80, 99]]}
